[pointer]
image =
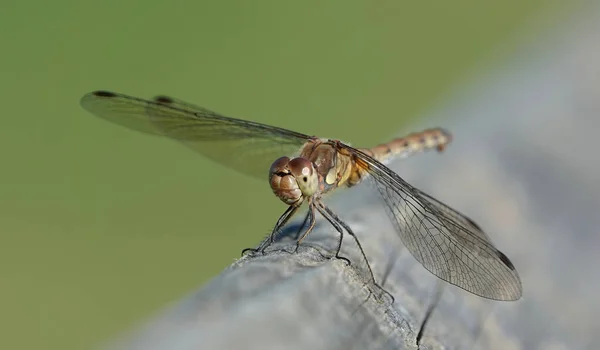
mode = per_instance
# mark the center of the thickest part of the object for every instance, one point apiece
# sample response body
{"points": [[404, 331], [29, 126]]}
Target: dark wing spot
{"points": [[163, 99], [101, 93], [505, 260]]}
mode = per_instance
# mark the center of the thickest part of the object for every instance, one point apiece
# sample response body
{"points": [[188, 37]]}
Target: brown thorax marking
{"points": [[332, 163]]}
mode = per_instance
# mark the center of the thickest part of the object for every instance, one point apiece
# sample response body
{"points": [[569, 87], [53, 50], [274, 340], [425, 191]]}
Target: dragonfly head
{"points": [[293, 180]]}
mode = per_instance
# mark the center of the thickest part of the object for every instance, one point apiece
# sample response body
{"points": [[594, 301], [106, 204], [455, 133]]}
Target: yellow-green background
{"points": [[100, 227]]}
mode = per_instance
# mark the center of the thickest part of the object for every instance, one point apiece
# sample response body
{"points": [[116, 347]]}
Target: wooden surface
{"points": [[523, 164]]}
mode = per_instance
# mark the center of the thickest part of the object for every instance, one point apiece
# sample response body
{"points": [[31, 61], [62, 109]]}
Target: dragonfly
{"points": [[302, 169]]}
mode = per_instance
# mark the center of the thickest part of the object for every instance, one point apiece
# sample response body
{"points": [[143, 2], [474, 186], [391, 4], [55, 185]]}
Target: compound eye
{"points": [[280, 165], [301, 168]]}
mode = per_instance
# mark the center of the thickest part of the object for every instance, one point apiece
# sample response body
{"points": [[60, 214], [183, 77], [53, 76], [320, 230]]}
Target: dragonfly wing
{"points": [[244, 146], [444, 241]]}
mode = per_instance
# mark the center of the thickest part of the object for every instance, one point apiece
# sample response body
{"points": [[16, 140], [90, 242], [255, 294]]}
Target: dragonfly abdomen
{"points": [[402, 147], [411, 144]]}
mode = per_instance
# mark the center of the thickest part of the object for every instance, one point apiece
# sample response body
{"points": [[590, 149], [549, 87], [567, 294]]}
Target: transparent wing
{"points": [[444, 241], [245, 146]]}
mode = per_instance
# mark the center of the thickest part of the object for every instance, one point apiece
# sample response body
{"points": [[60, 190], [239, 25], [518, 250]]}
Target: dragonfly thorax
{"points": [[293, 180]]}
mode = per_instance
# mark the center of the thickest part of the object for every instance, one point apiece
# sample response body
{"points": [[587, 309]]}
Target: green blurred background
{"points": [[100, 226]]}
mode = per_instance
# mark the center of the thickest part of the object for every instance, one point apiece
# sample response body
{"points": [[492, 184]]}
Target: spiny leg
{"points": [[338, 228], [306, 218], [299, 231], [311, 215], [283, 219], [311, 219], [330, 215], [362, 251], [391, 262], [386, 273]]}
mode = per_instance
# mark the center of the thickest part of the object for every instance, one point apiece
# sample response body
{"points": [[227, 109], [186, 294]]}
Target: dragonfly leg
{"points": [[311, 215], [388, 269], [283, 219], [337, 222], [306, 218]]}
